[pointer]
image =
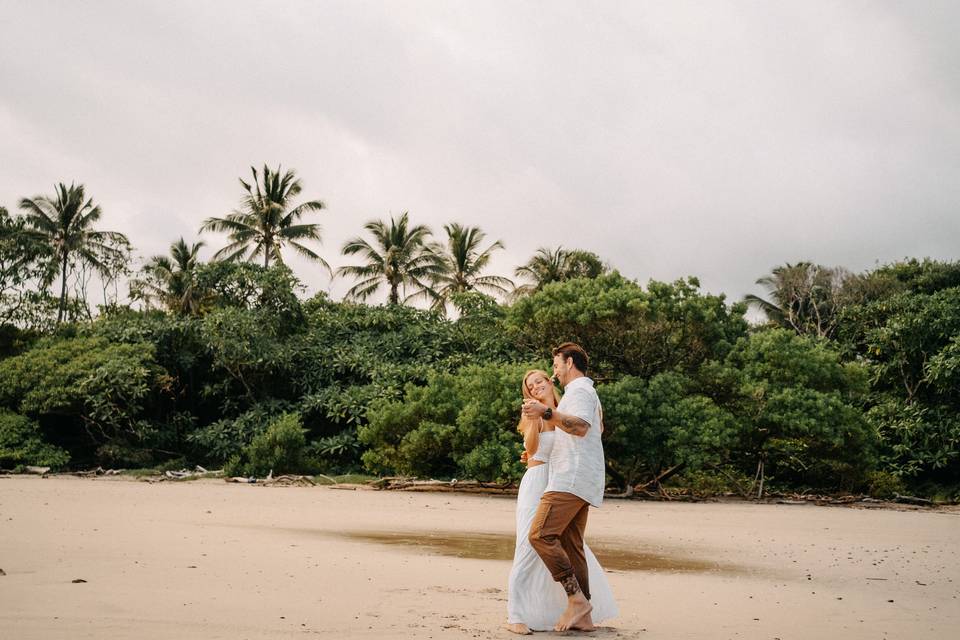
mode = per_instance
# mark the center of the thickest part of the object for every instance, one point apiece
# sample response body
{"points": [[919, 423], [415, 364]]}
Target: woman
{"points": [[535, 601]]}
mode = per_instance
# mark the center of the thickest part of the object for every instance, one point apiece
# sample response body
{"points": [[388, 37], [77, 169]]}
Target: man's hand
{"points": [[533, 409]]}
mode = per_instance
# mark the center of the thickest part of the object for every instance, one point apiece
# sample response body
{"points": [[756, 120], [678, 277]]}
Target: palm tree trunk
{"points": [[63, 291]]}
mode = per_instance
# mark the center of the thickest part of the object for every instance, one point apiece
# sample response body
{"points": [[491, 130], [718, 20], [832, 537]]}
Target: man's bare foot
{"points": [[584, 624], [519, 628], [577, 607]]}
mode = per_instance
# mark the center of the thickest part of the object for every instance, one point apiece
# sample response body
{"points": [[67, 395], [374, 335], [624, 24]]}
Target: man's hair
{"points": [[574, 351]]}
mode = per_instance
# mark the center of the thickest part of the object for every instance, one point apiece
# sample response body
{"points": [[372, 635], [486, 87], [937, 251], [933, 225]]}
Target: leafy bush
{"points": [[884, 485], [281, 449], [22, 444], [919, 440], [626, 330], [97, 389], [654, 424], [219, 441], [461, 423], [338, 453], [798, 409]]}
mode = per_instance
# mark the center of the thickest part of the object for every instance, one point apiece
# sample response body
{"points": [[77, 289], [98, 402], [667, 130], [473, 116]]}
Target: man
{"points": [[577, 478]]}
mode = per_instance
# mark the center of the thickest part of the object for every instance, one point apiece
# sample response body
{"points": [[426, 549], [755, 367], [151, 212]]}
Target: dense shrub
{"points": [[21, 444], [461, 423], [626, 330], [96, 390], [798, 410], [281, 449], [652, 425]]}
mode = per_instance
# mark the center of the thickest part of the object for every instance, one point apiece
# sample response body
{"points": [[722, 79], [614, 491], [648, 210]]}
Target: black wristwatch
{"points": [[548, 413]]}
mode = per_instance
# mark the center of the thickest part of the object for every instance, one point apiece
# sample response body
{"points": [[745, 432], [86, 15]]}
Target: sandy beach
{"points": [[207, 559]]}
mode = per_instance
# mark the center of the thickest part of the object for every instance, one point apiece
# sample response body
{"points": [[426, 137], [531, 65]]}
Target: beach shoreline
{"points": [[209, 559]]}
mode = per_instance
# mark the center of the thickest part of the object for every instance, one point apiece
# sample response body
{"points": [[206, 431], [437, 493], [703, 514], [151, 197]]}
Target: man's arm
{"points": [[575, 420], [571, 424]]}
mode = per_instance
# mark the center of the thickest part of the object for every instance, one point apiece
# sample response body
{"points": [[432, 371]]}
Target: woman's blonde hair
{"points": [[526, 392]]}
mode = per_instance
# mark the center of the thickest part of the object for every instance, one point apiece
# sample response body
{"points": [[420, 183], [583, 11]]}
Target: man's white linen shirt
{"points": [[576, 462]]}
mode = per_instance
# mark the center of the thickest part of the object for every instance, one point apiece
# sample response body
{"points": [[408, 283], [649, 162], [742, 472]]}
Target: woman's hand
{"points": [[533, 409]]}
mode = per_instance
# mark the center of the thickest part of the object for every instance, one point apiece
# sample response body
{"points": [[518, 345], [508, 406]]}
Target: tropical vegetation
{"points": [[851, 384]]}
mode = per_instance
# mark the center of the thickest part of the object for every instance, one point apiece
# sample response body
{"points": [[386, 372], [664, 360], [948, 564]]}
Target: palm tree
{"points": [[267, 220], [804, 297], [172, 280], [399, 258], [462, 263], [65, 224], [557, 265]]}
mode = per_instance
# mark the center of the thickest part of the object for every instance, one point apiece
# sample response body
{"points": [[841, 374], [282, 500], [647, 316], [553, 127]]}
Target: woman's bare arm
{"points": [[531, 437]]}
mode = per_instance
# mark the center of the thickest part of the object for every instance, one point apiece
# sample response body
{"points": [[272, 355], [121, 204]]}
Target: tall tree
{"points": [[461, 264], [267, 220], [557, 265], [64, 223], [24, 268], [172, 280], [804, 297], [399, 257]]}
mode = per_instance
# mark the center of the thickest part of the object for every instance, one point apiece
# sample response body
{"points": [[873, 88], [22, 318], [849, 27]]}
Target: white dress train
{"points": [[533, 597]]}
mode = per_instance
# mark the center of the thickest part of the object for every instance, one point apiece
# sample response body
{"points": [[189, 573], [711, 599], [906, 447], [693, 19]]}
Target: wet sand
{"points": [[207, 559]]}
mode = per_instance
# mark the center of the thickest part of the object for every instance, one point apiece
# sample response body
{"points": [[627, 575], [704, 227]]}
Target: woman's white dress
{"points": [[534, 598]]}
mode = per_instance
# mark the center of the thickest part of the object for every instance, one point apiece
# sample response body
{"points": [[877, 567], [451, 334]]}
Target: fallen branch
{"points": [[198, 472], [40, 471], [465, 486], [289, 480], [656, 482]]}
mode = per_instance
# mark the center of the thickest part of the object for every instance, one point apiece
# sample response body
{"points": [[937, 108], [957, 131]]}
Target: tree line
{"points": [[56, 239], [853, 383]]}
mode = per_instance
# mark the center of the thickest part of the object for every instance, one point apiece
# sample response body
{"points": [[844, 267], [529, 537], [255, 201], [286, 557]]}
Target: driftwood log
{"points": [[461, 486]]}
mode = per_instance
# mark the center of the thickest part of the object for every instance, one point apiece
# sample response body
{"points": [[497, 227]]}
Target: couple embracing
{"points": [[556, 582]]}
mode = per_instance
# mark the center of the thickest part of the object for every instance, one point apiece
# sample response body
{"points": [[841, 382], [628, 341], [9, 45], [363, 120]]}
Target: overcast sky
{"points": [[716, 139]]}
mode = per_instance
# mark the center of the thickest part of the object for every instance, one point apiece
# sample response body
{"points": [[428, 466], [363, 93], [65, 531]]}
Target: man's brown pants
{"points": [[557, 536]]}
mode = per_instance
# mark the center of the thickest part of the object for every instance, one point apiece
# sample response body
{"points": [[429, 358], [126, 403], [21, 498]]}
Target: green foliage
{"points": [[718, 481], [104, 384], [281, 449], [64, 223], [798, 408], [654, 424], [172, 281], [242, 285], [804, 297], [919, 440], [557, 265], [399, 258], [25, 270], [908, 333], [922, 276], [337, 453], [22, 444], [238, 369], [884, 485], [244, 343], [267, 220], [461, 265], [626, 330], [458, 423], [223, 439]]}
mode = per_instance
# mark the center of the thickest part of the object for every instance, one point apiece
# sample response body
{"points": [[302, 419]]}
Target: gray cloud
{"points": [[712, 139]]}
